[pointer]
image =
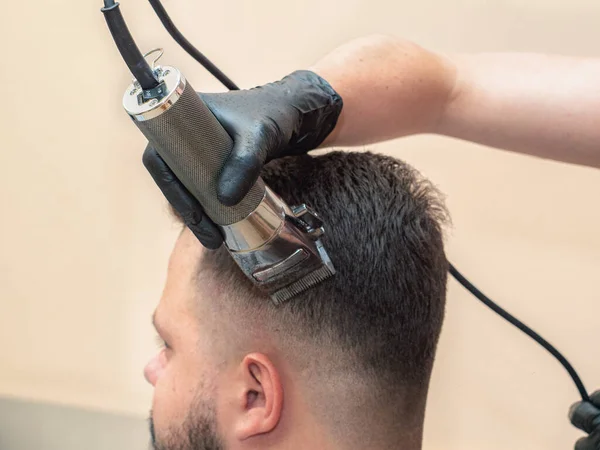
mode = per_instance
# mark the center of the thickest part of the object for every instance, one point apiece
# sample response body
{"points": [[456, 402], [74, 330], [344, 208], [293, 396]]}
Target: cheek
{"points": [[176, 386], [166, 401]]}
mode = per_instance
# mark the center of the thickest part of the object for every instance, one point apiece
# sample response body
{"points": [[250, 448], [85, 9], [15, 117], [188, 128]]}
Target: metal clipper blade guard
{"points": [[279, 248]]}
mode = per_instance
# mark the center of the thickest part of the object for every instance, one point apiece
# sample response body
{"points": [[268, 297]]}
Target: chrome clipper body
{"points": [[279, 248]]}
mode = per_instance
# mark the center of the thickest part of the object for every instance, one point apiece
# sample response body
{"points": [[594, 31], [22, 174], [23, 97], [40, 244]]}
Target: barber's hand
{"points": [[586, 417], [288, 117]]}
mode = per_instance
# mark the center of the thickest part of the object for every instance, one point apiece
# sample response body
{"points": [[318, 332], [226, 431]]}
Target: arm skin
{"points": [[541, 105]]}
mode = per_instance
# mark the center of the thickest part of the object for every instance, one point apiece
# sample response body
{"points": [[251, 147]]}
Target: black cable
{"points": [[127, 47], [188, 47], [524, 328]]}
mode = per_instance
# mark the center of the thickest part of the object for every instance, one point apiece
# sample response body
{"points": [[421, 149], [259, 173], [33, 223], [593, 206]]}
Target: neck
{"points": [[349, 414], [378, 438], [370, 424], [412, 441], [373, 433], [337, 432]]}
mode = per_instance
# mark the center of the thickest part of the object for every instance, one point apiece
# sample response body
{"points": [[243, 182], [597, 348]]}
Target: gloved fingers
{"points": [[592, 442], [183, 202], [244, 164], [584, 415], [239, 174]]}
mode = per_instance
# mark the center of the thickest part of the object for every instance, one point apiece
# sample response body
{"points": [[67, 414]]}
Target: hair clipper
{"points": [[277, 247]]}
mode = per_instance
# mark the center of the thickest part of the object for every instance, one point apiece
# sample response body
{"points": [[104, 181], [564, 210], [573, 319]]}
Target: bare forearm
{"points": [[390, 87], [548, 106], [542, 105]]}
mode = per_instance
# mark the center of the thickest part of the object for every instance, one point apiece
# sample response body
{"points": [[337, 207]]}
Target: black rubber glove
{"points": [[182, 201], [288, 117], [586, 417]]}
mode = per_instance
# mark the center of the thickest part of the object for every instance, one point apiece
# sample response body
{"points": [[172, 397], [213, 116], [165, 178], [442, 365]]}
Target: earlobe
{"points": [[262, 401]]}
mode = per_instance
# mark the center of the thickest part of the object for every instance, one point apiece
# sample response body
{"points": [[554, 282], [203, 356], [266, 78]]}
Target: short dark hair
{"points": [[384, 233]]}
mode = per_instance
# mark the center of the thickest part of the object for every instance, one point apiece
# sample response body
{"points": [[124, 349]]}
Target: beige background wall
{"points": [[85, 236]]}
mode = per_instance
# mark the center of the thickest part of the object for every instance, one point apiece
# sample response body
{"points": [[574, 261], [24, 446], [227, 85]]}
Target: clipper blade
{"points": [[303, 284], [280, 248]]}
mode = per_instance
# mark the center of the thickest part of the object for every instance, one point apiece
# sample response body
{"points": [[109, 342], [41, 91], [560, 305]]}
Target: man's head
{"points": [[343, 365]]}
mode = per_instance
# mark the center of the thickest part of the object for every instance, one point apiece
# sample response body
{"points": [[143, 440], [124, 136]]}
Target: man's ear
{"points": [[260, 397]]}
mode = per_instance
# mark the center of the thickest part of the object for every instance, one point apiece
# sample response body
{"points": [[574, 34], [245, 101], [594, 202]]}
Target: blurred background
{"points": [[85, 234]]}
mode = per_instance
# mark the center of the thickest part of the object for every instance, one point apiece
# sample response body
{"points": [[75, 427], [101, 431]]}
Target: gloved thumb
{"points": [[243, 166]]}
